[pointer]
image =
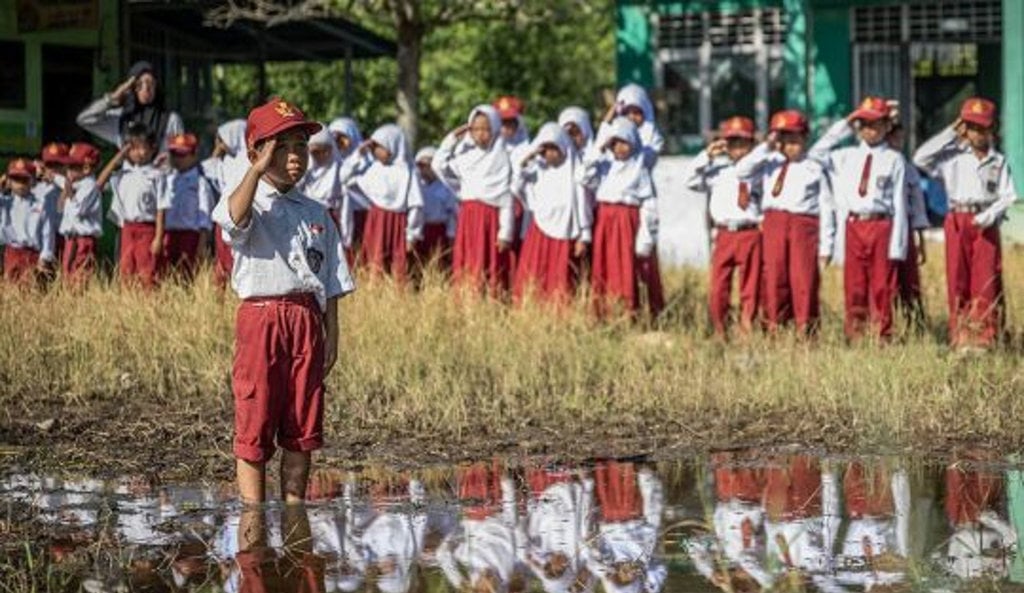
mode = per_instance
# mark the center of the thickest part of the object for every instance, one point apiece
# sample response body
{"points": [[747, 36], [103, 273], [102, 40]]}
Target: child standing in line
{"points": [[225, 171], [290, 272], [576, 122], [354, 208], [440, 212], [869, 183], [139, 206], [81, 222], [798, 225], [735, 210], [395, 222], [190, 197], [977, 180], [633, 103], [26, 226], [50, 171], [321, 181], [473, 158], [560, 217], [626, 226]]}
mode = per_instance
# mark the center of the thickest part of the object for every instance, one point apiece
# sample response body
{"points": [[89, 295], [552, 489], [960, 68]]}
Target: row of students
{"points": [[774, 208]]}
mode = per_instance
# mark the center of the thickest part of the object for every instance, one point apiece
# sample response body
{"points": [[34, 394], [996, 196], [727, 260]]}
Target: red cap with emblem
{"points": [[183, 144], [509, 107], [737, 127], [979, 111], [872, 109], [83, 153], [789, 120], [275, 117], [21, 168], [54, 152]]}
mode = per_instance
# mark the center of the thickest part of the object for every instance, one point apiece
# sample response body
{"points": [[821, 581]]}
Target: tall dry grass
{"points": [[427, 365]]}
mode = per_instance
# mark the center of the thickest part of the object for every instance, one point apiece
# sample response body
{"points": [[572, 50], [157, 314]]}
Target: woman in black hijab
{"points": [[137, 99]]}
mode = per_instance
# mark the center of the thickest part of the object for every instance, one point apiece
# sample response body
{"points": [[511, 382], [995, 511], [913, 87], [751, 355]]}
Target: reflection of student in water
{"points": [[482, 555], [261, 568], [558, 522], [392, 535], [738, 542], [621, 552], [983, 543], [801, 502]]}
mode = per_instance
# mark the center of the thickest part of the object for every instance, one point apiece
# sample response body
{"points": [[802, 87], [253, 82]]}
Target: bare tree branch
{"points": [[268, 12]]}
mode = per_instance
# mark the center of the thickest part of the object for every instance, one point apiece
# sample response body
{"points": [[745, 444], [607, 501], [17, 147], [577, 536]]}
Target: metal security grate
{"points": [[936, 20], [690, 30]]}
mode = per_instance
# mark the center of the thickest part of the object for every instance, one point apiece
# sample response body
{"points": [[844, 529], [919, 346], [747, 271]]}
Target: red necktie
{"points": [[780, 180], [865, 175], [743, 201]]}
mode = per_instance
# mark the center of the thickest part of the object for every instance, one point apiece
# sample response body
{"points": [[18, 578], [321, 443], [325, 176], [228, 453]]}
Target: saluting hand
{"points": [[265, 156], [365, 146], [717, 147], [118, 95], [610, 114], [461, 131], [773, 140]]}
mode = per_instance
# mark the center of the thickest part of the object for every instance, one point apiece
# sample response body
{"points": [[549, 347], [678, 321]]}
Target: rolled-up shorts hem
{"points": [[301, 445]]}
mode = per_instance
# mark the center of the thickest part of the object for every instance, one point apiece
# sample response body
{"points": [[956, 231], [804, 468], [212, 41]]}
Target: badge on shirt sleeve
{"points": [[992, 184], [883, 181]]}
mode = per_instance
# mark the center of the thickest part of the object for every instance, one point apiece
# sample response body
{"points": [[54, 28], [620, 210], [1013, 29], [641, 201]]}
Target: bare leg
{"points": [[252, 481], [294, 475]]}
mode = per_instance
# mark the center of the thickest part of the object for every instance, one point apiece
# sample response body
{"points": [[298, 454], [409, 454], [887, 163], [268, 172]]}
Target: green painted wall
{"points": [[1012, 108], [795, 53], [634, 49], [831, 64], [20, 129]]}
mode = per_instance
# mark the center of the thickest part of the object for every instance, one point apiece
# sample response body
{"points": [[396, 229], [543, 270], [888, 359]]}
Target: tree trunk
{"points": [[410, 50]]}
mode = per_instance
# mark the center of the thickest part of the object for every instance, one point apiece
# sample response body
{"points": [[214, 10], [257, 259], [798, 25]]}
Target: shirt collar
{"points": [[267, 191]]}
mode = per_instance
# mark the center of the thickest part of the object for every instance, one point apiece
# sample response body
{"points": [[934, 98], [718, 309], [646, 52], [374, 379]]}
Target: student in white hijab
{"points": [[321, 181], [576, 122], [633, 103], [231, 166], [561, 219], [440, 211], [354, 208], [473, 157], [395, 222], [626, 225]]}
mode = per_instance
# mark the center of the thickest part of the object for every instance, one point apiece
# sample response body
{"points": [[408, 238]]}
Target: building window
{"points": [[12, 75], [715, 65]]}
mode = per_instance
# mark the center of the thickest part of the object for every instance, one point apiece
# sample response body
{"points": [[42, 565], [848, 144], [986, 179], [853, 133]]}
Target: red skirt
{"points": [[478, 263], [480, 487], [181, 251], [224, 261], [617, 273], [383, 249], [435, 244], [545, 268], [969, 492], [868, 494], [20, 264], [618, 494], [793, 491]]}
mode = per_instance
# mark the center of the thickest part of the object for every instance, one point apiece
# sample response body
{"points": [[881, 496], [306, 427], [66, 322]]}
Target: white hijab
{"points": [[521, 137], [579, 117], [345, 126], [485, 171], [628, 178], [236, 162], [555, 193], [233, 135], [391, 186], [321, 181], [634, 95]]}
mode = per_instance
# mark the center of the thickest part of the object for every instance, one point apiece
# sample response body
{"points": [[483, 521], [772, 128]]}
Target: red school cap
{"points": [[509, 107], [789, 120], [979, 111], [872, 109], [54, 152], [21, 168], [183, 144], [275, 117], [83, 153], [737, 127]]}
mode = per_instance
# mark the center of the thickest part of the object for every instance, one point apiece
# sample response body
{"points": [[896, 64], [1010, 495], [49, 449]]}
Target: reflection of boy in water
{"points": [[621, 553], [558, 522], [262, 569], [982, 543]]}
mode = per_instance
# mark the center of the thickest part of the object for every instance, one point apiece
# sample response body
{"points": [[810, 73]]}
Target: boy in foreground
{"points": [[289, 272]]}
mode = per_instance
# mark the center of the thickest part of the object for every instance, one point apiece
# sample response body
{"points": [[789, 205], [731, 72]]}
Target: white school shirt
{"points": [[805, 189], [83, 211], [884, 534], [886, 187], [322, 184], [26, 223], [560, 212], [210, 169], [728, 542], [595, 169], [446, 165], [407, 200], [968, 180], [49, 192], [290, 245], [717, 178], [981, 549], [557, 522], [139, 191], [809, 540], [440, 205], [188, 201], [651, 141]]}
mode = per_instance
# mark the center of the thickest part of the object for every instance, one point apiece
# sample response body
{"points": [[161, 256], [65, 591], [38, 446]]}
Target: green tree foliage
{"points": [[549, 63]]}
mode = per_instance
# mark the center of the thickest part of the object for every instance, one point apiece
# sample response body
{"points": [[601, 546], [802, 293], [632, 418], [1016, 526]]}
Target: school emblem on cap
{"points": [[54, 149], [978, 107], [503, 104], [284, 109], [736, 124]]}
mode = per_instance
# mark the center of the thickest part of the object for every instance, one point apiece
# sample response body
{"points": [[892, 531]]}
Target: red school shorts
{"points": [[278, 376]]}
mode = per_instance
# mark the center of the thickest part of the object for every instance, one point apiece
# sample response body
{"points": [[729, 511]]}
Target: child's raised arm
{"points": [[108, 170], [240, 200]]}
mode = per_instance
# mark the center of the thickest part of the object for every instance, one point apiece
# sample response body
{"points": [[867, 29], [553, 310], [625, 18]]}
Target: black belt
{"points": [[868, 216], [734, 227], [964, 208]]}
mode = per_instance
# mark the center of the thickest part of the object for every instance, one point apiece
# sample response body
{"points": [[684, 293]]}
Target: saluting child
{"points": [[50, 172], [576, 122], [869, 183], [473, 158], [395, 222], [735, 210], [626, 225], [139, 206], [81, 208], [191, 200], [798, 224], [633, 103], [290, 272], [321, 181], [440, 212], [977, 180], [560, 217], [26, 226], [354, 208]]}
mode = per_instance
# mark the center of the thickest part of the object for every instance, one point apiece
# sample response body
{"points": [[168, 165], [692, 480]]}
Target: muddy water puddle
{"points": [[735, 521]]}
